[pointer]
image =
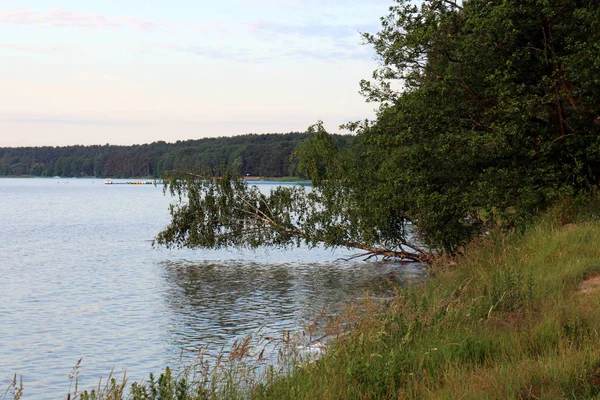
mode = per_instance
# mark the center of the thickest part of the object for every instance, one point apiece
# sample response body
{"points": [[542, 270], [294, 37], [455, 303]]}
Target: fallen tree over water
{"points": [[216, 210]]}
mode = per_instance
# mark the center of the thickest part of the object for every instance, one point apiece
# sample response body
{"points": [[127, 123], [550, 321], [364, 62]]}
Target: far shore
{"points": [[247, 178]]}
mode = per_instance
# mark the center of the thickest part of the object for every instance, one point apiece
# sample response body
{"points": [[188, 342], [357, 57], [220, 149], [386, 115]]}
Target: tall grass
{"points": [[506, 319], [503, 320]]}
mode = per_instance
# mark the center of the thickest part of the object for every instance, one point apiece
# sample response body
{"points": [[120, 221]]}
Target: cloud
{"points": [[213, 26], [314, 30], [65, 18], [40, 49], [338, 52], [307, 3], [335, 54], [94, 76], [272, 41], [74, 121], [315, 41], [222, 53]]}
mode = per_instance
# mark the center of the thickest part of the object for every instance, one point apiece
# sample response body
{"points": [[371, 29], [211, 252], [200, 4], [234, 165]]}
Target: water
{"points": [[81, 279]]}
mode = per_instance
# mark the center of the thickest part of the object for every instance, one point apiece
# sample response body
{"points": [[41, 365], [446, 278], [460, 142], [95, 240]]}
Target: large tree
{"points": [[489, 111]]}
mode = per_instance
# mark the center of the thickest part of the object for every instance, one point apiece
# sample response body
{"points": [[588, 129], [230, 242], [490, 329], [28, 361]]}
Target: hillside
{"points": [[252, 154], [514, 317]]}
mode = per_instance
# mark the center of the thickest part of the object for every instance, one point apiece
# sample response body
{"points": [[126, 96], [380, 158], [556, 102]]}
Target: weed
{"points": [[15, 389]]}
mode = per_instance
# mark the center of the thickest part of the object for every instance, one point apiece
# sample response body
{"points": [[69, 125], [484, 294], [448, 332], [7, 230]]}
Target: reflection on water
{"points": [[215, 303], [82, 280]]}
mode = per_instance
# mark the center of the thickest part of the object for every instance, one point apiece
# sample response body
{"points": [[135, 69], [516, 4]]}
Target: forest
{"points": [[251, 154]]}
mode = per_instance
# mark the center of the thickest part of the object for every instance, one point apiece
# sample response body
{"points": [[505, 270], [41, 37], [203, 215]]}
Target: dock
{"points": [[152, 182]]}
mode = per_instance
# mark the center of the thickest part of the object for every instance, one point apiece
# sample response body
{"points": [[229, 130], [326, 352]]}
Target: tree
{"points": [[498, 117], [217, 208], [489, 111]]}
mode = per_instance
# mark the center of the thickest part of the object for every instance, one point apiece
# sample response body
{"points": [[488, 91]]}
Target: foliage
{"points": [[489, 113], [216, 208], [256, 155], [498, 116]]}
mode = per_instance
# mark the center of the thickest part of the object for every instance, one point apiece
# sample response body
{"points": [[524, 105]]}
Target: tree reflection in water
{"points": [[213, 304]]}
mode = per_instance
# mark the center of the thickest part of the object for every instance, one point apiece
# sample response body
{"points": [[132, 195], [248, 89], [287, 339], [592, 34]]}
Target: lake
{"points": [[80, 279]]}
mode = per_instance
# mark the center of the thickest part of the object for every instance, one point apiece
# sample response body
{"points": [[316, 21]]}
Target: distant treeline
{"points": [[253, 154]]}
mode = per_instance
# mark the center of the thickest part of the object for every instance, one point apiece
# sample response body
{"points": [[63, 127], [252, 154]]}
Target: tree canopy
{"points": [[257, 155], [489, 111]]}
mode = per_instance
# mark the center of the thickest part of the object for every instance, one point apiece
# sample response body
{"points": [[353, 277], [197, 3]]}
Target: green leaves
{"points": [[489, 113], [491, 117]]}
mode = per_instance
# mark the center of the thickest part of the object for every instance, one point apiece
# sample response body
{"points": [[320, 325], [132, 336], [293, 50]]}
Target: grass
{"points": [[507, 319], [504, 320]]}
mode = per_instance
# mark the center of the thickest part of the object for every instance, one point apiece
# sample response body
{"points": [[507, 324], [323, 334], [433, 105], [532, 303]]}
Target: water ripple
{"points": [[80, 279]]}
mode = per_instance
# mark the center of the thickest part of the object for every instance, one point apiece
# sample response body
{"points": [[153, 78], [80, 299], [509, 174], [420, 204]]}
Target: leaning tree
{"points": [[489, 111]]}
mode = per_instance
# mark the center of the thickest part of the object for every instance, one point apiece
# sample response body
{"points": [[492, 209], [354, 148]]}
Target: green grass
{"points": [[504, 320]]}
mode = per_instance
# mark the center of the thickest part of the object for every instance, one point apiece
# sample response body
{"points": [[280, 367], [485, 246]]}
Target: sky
{"points": [[138, 71]]}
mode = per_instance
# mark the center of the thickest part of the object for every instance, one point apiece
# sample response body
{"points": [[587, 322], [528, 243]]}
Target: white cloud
{"points": [[65, 18], [307, 3], [45, 120], [40, 49], [93, 76], [311, 30]]}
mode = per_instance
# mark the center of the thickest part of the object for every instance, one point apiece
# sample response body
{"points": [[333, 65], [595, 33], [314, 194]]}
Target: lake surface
{"points": [[80, 278]]}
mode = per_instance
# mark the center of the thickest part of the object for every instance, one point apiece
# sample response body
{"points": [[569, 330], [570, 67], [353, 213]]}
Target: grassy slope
{"points": [[506, 321]]}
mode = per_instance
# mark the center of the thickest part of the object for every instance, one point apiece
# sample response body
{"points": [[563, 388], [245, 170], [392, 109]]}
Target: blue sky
{"points": [[132, 71]]}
